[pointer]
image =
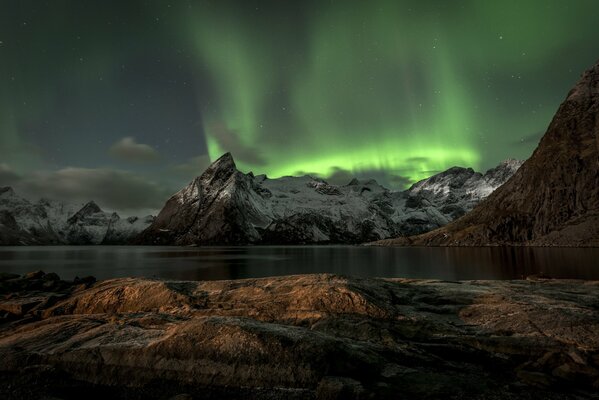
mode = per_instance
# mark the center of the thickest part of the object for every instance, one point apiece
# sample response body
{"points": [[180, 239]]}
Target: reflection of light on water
{"points": [[209, 263]]}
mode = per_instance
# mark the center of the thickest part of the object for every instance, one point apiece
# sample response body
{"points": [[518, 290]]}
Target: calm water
{"points": [[195, 263]]}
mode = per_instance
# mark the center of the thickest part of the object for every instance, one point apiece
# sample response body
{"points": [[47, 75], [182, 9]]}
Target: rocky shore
{"points": [[308, 336]]}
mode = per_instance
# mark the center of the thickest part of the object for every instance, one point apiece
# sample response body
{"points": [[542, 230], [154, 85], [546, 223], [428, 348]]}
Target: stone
{"points": [[4, 276], [34, 275], [306, 336], [183, 396]]}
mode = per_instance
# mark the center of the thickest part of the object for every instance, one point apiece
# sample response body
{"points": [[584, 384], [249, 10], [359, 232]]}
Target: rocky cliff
{"points": [[553, 199], [226, 206]]}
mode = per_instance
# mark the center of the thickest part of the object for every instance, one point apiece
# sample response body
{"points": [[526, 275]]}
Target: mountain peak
{"points": [[226, 160], [222, 168], [88, 209], [510, 163]]}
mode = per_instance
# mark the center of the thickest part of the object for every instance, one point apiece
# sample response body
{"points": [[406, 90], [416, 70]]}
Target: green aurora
{"points": [[392, 85]]}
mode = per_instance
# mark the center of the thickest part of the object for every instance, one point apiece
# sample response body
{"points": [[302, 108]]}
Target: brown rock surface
{"points": [[308, 336], [553, 199]]}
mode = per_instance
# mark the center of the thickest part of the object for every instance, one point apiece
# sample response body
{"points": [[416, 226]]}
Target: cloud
{"points": [[418, 159], [114, 189], [228, 140], [341, 176], [127, 149], [8, 176], [193, 167]]}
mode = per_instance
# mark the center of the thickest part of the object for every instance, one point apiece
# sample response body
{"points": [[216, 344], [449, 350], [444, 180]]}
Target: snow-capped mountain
{"points": [[52, 222], [226, 206], [438, 200]]}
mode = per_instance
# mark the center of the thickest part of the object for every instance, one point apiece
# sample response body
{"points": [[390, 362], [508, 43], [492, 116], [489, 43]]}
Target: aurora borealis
{"points": [[397, 90]]}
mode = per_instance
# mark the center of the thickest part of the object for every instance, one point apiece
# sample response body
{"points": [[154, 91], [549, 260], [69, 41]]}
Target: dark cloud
{"points": [[193, 167], [418, 159], [114, 189], [127, 149], [341, 176], [399, 181], [8, 177], [229, 140]]}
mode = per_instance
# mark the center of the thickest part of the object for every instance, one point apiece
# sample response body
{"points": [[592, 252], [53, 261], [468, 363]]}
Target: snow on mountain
{"points": [[53, 222], [438, 200], [226, 206]]}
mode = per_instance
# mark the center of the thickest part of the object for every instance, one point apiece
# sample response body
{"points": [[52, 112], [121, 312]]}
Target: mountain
{"points": [[227, 207], [438, 200], [553, 199], [52, 222]]}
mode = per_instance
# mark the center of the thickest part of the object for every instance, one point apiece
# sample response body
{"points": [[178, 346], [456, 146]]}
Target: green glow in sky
{"points": [[395, 90], [408, 87]]}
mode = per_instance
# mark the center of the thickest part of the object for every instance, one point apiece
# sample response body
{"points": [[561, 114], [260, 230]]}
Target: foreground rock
{"points": [[311, 336], [553, 199], [226, 206]]}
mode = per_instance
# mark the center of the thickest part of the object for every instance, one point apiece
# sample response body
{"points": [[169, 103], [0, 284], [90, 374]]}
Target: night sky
{"points": [[124, 102]]}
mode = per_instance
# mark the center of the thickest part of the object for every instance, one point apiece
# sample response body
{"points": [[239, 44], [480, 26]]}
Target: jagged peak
{"points": [[511, 164], [224, 165], [456, 169], [224, 161], [88, 209]]}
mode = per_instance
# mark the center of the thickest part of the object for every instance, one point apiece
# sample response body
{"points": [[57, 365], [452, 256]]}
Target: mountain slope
{"points": [[218, 207], [225, 206], [553, 199]]}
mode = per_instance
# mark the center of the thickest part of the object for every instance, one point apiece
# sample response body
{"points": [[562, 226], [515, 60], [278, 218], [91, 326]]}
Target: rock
{"points": [[86, 280], [535, 378], [338, 388], [53, 277], [20, 306], [553, 199], [34, 275], [4, 276], [183, 396], [308, 336]]}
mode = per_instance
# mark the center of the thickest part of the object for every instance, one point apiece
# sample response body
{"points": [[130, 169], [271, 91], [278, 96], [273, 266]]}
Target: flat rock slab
{"points": [[305, 336]]}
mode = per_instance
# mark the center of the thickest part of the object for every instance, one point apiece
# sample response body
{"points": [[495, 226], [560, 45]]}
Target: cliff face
{"points": [[553, 199]]}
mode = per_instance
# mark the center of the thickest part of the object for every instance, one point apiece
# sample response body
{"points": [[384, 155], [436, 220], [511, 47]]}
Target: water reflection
{"points": [[200, 263]]}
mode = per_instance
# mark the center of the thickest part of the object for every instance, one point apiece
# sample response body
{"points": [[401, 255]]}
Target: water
{"points": [[210, 263]]}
